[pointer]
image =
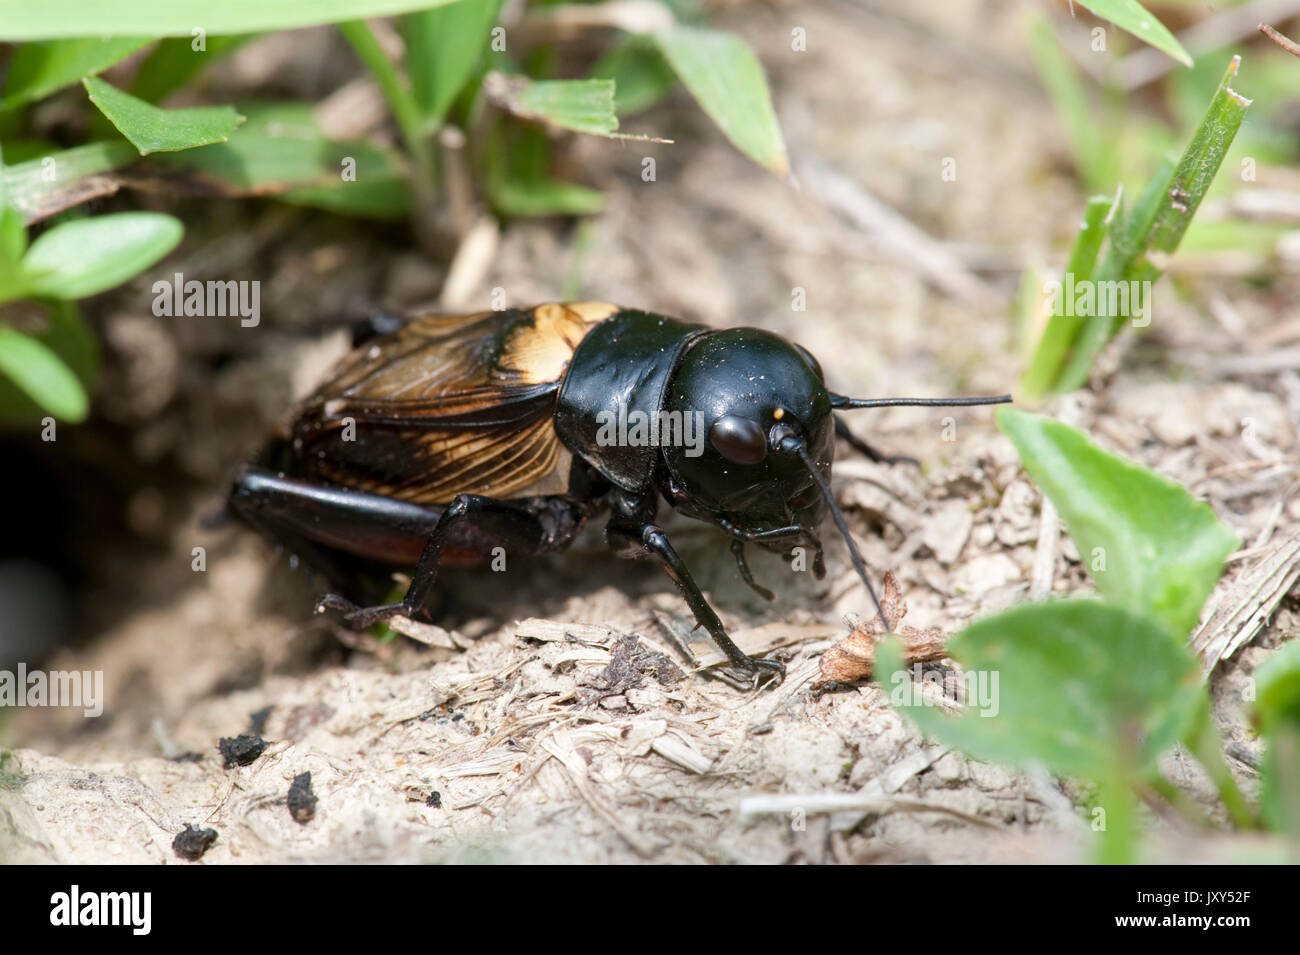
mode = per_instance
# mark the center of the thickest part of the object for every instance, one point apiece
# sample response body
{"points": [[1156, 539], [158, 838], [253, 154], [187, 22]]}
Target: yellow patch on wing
{"points": [[540, 351]]}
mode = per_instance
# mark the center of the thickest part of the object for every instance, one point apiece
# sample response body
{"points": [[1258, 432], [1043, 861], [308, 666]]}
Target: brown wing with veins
{"points": [[448, 405]]}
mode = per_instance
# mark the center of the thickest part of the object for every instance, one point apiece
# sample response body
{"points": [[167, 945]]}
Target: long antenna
{"points": [[840, 402], [793, 444]]}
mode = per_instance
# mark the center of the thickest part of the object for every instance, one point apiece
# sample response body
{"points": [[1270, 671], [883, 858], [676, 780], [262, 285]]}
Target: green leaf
{"points": [[640, 73], [526, 198], [1132, 16], [42, 187], [584, 106], [1082, 687], [1143, 243], [1151, 547], [86, 256], [1277, 708], [76, 18], [443, 46], [726, 79], [41, 375], [174, 62], [396, 92], [153, 130], [1277, 687], [13, 243], [41, 68], [1059, 330], [1094, 156], [281, 152]]}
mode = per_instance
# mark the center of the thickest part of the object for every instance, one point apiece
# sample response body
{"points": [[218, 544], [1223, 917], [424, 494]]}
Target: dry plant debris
{"points": [[853, 657]]}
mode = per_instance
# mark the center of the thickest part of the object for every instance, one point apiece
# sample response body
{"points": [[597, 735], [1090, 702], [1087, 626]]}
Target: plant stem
{"points": [[400, 100], [1203, 742]]}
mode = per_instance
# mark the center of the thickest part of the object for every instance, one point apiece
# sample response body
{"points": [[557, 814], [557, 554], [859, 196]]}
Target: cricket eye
{"points": [[738, 439]]}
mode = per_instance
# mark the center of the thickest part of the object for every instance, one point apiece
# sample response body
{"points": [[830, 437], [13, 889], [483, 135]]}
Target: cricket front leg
{"points": [[741, 671]]}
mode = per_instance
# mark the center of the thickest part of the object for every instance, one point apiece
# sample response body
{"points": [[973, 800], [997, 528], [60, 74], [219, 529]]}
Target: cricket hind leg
{"points": [[338, 533], [475, 523]]}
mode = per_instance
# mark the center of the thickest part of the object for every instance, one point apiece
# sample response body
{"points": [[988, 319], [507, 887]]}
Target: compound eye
{"points": [[739, 439]]}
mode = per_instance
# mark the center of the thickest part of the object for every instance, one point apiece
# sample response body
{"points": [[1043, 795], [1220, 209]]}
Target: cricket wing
{"points": [[448, 405]]}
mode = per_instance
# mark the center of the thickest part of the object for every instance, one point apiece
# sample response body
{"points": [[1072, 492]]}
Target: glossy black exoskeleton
{"points": [[449, 436]]}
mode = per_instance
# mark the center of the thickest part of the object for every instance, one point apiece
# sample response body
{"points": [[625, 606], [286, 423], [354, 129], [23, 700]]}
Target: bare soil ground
{"points": [[516, 740]]}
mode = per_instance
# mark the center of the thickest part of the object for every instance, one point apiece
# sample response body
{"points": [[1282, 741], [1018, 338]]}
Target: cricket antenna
{"points": [[791, 444], [841, 403]]}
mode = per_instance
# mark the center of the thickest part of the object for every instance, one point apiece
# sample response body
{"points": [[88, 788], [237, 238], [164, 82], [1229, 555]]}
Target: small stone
{"points": [[978, 576], [302, 800], [190, 843], [241, 750], [946, 531]]}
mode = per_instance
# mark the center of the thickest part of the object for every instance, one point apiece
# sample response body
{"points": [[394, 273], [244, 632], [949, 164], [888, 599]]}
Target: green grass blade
{"points": [[443, 45], [584, 106], [51, 19], [527, 198], [152, 130], [1131, 16], [1059, 330], [1144, 242], [281, 152], [726, 79], [1093, 155], [403, 105], [37, 194], [38, 69]]}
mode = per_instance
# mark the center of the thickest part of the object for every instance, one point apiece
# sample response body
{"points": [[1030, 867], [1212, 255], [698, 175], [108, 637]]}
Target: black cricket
{"points": [[441, 437]]}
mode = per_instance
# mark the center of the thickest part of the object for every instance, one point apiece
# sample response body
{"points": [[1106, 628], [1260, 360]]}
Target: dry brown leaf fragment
{"points": [[854, 657]]}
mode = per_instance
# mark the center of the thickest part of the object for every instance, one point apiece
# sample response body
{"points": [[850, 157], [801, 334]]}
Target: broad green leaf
{"points": [[175, 61], [1277, 708], [1132, 16], [153, 130], [41, 375], [640, 73], [70, 338], [49, 184], [1277, 687], [86, 256], [1280, 792], [48, 19], [1082, 687], [526, 198], [443, 45], [280, 152], [584, 106], [38, 69], [726, 79], [1150, 546]]}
